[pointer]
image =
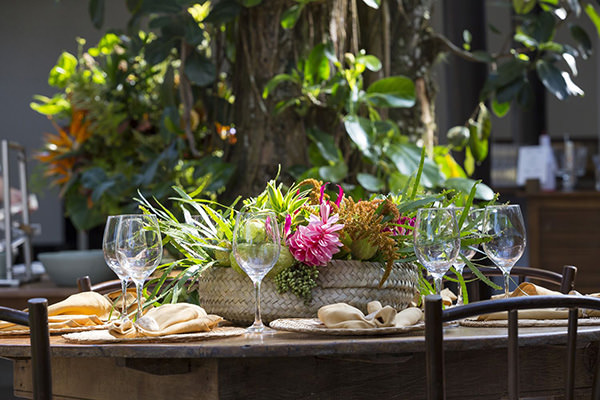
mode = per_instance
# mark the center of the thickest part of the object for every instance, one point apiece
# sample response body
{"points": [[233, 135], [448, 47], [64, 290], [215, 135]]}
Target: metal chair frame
{"points": [[37, 320], [435, 317]]}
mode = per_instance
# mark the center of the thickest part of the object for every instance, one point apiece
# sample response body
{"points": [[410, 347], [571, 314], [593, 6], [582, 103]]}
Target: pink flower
{"points": [[400, 230], [316, 243]]}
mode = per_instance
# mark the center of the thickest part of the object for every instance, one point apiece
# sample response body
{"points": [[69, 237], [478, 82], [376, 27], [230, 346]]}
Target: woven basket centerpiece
{"points": [[227, 293]]}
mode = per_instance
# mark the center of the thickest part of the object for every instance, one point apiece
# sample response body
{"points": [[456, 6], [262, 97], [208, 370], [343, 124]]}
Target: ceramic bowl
{"points": [[64, 267]]}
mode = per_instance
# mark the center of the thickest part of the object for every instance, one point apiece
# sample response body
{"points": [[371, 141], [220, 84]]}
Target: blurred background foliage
{"points": [[214, 96]]}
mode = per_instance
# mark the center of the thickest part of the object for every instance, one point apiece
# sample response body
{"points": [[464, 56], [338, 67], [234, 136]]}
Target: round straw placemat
{"points": [[527, 323], [102, 336], [53, 331], [315, 326]]}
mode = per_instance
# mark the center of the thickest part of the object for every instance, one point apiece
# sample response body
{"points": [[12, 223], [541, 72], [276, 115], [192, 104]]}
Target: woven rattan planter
{"points": [[224, 292]]}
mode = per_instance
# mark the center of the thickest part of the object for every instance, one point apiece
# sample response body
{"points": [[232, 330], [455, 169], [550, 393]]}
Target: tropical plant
{"points": [[122, 131]]}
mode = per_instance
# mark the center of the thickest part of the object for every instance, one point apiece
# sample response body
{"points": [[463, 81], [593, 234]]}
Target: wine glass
{"points": [[139, 249], [506, 230], [470, 229], [436, 241], [109, 248], [256, 247]]}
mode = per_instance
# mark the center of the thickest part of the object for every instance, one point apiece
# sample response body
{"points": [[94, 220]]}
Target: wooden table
{"points": [[300, 366]]}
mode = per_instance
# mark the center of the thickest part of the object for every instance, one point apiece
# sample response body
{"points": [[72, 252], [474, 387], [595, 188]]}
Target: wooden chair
{"points": [[564, 282], [84, 284], [37, 320], [435, 317]]}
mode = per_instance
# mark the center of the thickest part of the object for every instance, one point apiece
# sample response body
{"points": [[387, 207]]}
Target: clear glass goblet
{"points": [[436, 241], [256, 246], [470, 229], [109, 248], [505, 228], [139, 249]]}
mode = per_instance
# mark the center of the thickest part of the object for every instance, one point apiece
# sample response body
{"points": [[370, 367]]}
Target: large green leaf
{"points": [[370, 182], [593, 15], [317, 69], [358, 129], [407, 157], [371, 62], [224, 11], [326, 145], [552, 79], [62, 71], [200, 70], [334, 173], [159, 49], [394, 91], [584, 43], [523, 6], [373, 3], [50, 106], [464, 185], [291, 15]]}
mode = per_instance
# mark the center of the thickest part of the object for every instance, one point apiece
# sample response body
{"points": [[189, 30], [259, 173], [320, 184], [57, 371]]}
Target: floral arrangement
{"points": [[317, 226]]}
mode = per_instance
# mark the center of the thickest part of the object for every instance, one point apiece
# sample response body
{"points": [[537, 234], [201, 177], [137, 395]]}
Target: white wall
{"points": [[33, 33]]}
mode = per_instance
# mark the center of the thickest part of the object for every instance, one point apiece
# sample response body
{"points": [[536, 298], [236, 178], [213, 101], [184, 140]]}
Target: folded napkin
{"points": [[78, 310], [345, 316], [531, 289], [167, 319]]}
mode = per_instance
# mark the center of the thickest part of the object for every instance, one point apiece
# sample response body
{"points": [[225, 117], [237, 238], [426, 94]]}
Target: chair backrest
{"points": [[84, 284], [564, 282], [37, 320], [435, 317]]}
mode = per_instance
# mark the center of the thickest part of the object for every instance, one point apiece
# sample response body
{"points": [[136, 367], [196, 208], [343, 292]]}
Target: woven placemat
{"points": [[503, 323], [102, 336], [54, 331], [315, 326]]}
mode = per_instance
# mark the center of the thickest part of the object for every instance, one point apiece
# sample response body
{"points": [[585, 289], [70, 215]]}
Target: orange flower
{"points": [[60, 149]]}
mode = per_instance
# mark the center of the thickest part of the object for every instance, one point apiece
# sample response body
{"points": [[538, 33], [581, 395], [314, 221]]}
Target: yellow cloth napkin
{"points": [[167, 319], [531, 289], [81, 309], [345, 316]]}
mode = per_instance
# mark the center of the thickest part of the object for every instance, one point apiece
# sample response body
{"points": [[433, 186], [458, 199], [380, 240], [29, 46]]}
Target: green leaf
{"points": [[552, 79], [224, 11], [523, 6], [395, 91], [370, 182], [500, 109], [334, 173], [584, 43], [469, 162], [358, 128], [159, 49], [593, 15], [458, 137], [62, 71], [465, 185], [275, 81], [326, 145], [371, 62], [50, 106], [96, 11], [478, 144], [200, 70], [407, 157], [373, 3], [317, 66], [291, 16]]}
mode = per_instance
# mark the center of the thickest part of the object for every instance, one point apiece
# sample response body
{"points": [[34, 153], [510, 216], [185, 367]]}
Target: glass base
{"points": [[259, 328]]}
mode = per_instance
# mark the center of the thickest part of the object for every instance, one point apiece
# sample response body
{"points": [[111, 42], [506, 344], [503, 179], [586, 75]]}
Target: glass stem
{"points": [[257, 317], [123, 299], [459, 299], [506, 283], [438, 284], [139, 286]]}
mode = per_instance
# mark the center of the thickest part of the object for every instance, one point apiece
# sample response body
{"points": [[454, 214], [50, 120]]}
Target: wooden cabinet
{"points": [[564, 229]]}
